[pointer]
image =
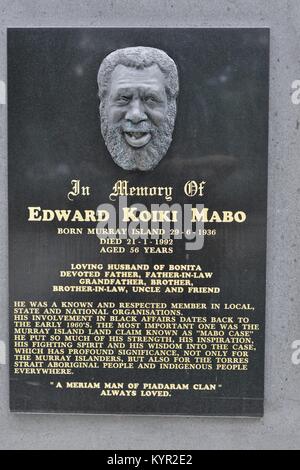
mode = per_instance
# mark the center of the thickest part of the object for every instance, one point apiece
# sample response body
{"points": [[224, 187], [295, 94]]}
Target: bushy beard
{"points": [[144, 158]]}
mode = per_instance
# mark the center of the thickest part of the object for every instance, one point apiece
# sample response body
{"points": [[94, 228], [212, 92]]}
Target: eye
{"points": [[150, 99], [123, 99]]}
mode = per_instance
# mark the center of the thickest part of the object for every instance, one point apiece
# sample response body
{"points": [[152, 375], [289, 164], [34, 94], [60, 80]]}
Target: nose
{"points": [[136, 112]]}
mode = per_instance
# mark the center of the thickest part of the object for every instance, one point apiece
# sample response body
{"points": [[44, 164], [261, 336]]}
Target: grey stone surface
{"points": [[280, 428]]}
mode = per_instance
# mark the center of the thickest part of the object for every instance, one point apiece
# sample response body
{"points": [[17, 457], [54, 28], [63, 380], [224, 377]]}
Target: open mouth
{"points": [[137, 139]]}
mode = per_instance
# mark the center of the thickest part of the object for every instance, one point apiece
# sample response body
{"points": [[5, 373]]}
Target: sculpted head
{"points": [[138, 87]]}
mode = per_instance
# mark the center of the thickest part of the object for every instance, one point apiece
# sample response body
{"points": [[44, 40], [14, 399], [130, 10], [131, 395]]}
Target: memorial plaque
{"points": [[137, 220]]}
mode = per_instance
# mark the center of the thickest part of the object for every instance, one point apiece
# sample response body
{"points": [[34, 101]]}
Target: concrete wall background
{"points": [[280, 427]]}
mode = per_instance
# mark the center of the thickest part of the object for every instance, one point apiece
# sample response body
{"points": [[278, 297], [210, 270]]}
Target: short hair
{"points": [[139, 58]]}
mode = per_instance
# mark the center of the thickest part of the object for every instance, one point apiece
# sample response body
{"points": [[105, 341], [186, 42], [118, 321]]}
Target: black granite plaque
{"points": [[137, 252]]}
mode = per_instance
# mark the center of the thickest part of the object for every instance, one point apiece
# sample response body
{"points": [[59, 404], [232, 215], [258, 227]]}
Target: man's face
{"points": [[137, 99], [135, 122]]}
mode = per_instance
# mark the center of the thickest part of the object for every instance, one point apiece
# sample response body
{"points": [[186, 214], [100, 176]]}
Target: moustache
{"points": [[143, 127]]}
